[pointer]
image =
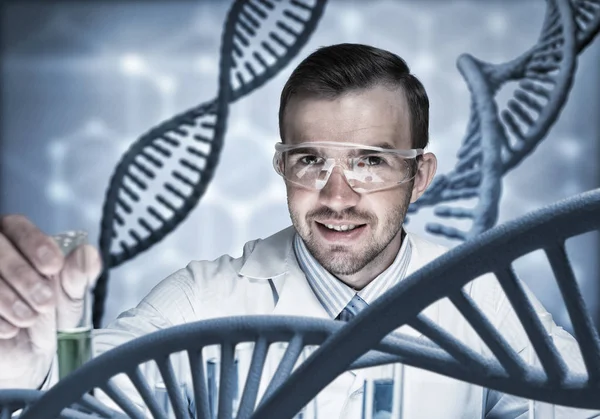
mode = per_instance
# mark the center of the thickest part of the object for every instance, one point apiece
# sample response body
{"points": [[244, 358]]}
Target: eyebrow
{"points": [[315, 149], [303, 150], [385, 145], [362, 152]]}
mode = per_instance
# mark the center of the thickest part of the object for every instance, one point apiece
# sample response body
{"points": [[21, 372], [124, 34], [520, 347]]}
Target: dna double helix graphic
{"points": [[496, 141], [176, 160]]}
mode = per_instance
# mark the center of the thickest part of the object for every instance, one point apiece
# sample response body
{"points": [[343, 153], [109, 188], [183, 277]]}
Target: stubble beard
{"points": [[341, 260]]}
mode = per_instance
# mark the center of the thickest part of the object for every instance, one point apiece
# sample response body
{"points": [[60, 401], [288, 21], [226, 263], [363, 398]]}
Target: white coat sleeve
{"points": [[168, 304]]}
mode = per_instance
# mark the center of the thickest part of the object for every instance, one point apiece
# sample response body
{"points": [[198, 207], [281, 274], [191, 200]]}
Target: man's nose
{"points": [[337, 194]]}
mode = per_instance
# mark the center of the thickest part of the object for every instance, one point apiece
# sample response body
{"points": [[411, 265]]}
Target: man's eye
{"points": [[308, 160], [373, 160]]}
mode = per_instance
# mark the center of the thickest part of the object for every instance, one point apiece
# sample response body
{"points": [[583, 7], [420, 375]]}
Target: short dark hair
{"points": [[337, 69]]}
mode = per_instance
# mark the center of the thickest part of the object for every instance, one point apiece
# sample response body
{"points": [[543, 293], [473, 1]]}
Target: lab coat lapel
{"points": [[296, 297], [273, 259], [420, 258]]}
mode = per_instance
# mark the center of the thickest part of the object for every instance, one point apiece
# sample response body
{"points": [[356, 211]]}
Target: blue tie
{"points": [[355, 306]]}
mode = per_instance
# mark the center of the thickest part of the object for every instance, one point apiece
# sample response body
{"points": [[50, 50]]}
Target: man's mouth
{"points": [[340, 230], [343, 227]]}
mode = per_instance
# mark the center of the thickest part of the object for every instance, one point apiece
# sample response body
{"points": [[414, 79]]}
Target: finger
{"points": [[82, 267], [42, 334], [7, 330], [69, 312], [33, 288], [13, 309], [26, 365], [38, 248]]}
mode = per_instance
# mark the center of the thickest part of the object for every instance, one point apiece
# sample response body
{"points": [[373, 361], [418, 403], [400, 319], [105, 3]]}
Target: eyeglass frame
{"points": [[407, 154]]}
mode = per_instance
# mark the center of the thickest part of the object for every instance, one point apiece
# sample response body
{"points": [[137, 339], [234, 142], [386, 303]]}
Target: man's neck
{"points": [[373, 269]]}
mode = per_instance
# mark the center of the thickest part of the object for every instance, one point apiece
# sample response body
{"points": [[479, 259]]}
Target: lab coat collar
{"points": [[269, 258], [274, 258], [296, 297]]}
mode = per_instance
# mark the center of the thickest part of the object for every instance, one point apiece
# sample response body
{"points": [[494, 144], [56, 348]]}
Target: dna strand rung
{"points": [[583, 326], [165, 173], [508, 358], [497, 139], [554, 366]]}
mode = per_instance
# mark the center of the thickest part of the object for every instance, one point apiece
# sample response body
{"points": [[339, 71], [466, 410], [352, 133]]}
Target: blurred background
{"points": [[82, 80]]}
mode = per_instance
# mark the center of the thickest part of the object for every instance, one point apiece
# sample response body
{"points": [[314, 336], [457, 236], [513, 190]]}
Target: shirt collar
{"points": [[333, 294]]}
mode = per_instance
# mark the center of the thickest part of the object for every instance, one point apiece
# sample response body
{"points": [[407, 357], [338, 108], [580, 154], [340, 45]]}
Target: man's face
{"points": [[374, 116]]}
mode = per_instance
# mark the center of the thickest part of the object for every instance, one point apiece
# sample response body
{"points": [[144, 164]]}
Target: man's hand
{"points": [[38, 287]]}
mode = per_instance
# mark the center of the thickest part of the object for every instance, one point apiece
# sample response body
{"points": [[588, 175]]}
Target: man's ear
{"points": [[426, 167]]}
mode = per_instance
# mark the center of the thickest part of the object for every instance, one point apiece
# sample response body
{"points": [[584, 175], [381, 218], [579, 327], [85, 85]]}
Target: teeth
{"points": [[341, 228]]}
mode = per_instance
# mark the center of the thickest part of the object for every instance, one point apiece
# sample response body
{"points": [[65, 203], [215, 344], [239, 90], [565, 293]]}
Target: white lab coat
{"points": [[231, 286]]}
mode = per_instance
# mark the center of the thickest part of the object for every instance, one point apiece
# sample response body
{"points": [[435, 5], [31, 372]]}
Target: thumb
{"points": [[80, 271]]}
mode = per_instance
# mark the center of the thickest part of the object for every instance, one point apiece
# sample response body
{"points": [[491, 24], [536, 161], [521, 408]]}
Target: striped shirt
{"points": [[333, 294]]}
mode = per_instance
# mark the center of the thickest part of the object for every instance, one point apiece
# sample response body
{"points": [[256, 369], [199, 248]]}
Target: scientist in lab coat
{"points": [[354, 126]]}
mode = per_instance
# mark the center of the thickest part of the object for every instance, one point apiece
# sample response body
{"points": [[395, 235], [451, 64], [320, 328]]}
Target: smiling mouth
{"points": [[343, 227], [340, 227]]}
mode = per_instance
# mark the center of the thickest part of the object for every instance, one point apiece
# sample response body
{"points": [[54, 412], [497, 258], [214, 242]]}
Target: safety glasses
{"points": [[366, 168]]}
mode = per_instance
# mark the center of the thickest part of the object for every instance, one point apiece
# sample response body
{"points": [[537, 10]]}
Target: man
{"points": [[353, 123]]}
